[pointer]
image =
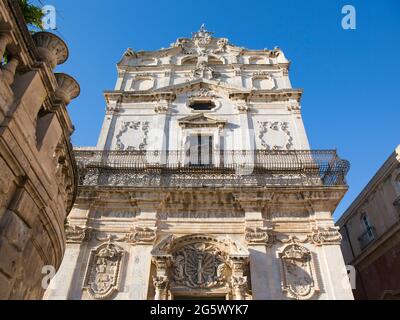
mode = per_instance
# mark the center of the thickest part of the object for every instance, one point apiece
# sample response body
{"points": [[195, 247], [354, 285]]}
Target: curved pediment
{"points": [[201, 120]]}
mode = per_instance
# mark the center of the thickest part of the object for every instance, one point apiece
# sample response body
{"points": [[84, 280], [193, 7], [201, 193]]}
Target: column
{"points": [[142, 238], [336, 283], [61, 284], [258, 238]]}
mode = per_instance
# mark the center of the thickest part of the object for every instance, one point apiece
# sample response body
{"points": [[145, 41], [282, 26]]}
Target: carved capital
{"points": [[142, 235], [243, 108], [161, 108], [76, 234], [258, 236], [326, 236]]}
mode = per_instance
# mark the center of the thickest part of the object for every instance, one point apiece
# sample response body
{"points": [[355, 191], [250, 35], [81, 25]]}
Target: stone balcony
{"points": [[223, 168]]}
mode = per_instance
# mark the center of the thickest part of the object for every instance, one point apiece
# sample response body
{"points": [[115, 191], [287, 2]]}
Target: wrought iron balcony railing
{"points": [[367, 237], [225, 167]]}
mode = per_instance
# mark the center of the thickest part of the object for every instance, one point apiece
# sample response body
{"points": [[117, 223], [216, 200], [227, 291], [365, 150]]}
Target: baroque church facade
{"points": [[203, 185]]}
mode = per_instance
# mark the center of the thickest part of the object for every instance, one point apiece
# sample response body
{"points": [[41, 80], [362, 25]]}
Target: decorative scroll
{"points": [[103, 271], [298, 275]]}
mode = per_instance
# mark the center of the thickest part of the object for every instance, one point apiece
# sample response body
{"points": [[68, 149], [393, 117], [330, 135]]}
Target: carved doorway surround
{"points": [[200, 266]]}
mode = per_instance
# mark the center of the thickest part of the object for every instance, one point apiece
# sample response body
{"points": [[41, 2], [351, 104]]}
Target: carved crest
{"points": [[298, 275], [103, 271]]}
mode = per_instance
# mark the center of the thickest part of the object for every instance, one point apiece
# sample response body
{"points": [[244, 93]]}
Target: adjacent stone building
{"points": [[203, 185], [371, 234], [38, 175]]}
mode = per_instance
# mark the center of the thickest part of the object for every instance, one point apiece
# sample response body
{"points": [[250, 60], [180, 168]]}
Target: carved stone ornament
{"points": [[297, 271], [161, 108], [129, 130], [203, 70], [200, 42], [243, 108], [203, 93], [76, 234], [51, 48], [68, 88], [326, 236], [199, 265], [142, 235], [275, 135], [258, 236], [103, 271]]}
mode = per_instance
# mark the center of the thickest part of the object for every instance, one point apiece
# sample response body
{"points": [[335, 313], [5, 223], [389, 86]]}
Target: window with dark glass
{"points": [[201, 150], [202, 106]]}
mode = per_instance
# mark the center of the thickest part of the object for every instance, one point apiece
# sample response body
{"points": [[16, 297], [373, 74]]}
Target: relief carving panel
{"points": [[133, 135], [275, 135], [103, 271]]}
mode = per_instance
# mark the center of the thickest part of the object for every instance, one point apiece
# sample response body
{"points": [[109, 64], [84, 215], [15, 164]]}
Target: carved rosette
{"points": [[51, 48], [199, 265], [142, 235], [326, 236], [201, 262], [298, 272], [68, 88], [76, 234], [103, 271]]}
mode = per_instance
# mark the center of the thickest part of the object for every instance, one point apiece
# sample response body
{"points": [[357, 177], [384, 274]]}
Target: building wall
{"points": [[371, 254], [144, 227], [38, 176]]}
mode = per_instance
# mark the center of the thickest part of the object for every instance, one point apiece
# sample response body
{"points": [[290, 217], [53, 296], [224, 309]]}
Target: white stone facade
{"points": [[203, 185]]}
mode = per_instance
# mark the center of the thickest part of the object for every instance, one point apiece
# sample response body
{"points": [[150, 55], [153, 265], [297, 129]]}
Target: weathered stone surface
{"points": [[38, 173]]}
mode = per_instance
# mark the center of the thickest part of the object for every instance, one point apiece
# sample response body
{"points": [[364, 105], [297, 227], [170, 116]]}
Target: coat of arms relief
{"points": [[298, 272], [103, 271]]}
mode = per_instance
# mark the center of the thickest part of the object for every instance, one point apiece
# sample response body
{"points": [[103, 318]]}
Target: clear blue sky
{"points": [[350, 78]]}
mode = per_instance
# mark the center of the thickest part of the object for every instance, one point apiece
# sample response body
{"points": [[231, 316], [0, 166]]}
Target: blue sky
{"points": [[349, 77]]}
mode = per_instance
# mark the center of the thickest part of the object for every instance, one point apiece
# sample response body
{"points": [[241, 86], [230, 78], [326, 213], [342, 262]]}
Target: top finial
{"points": [[202, 33]]}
